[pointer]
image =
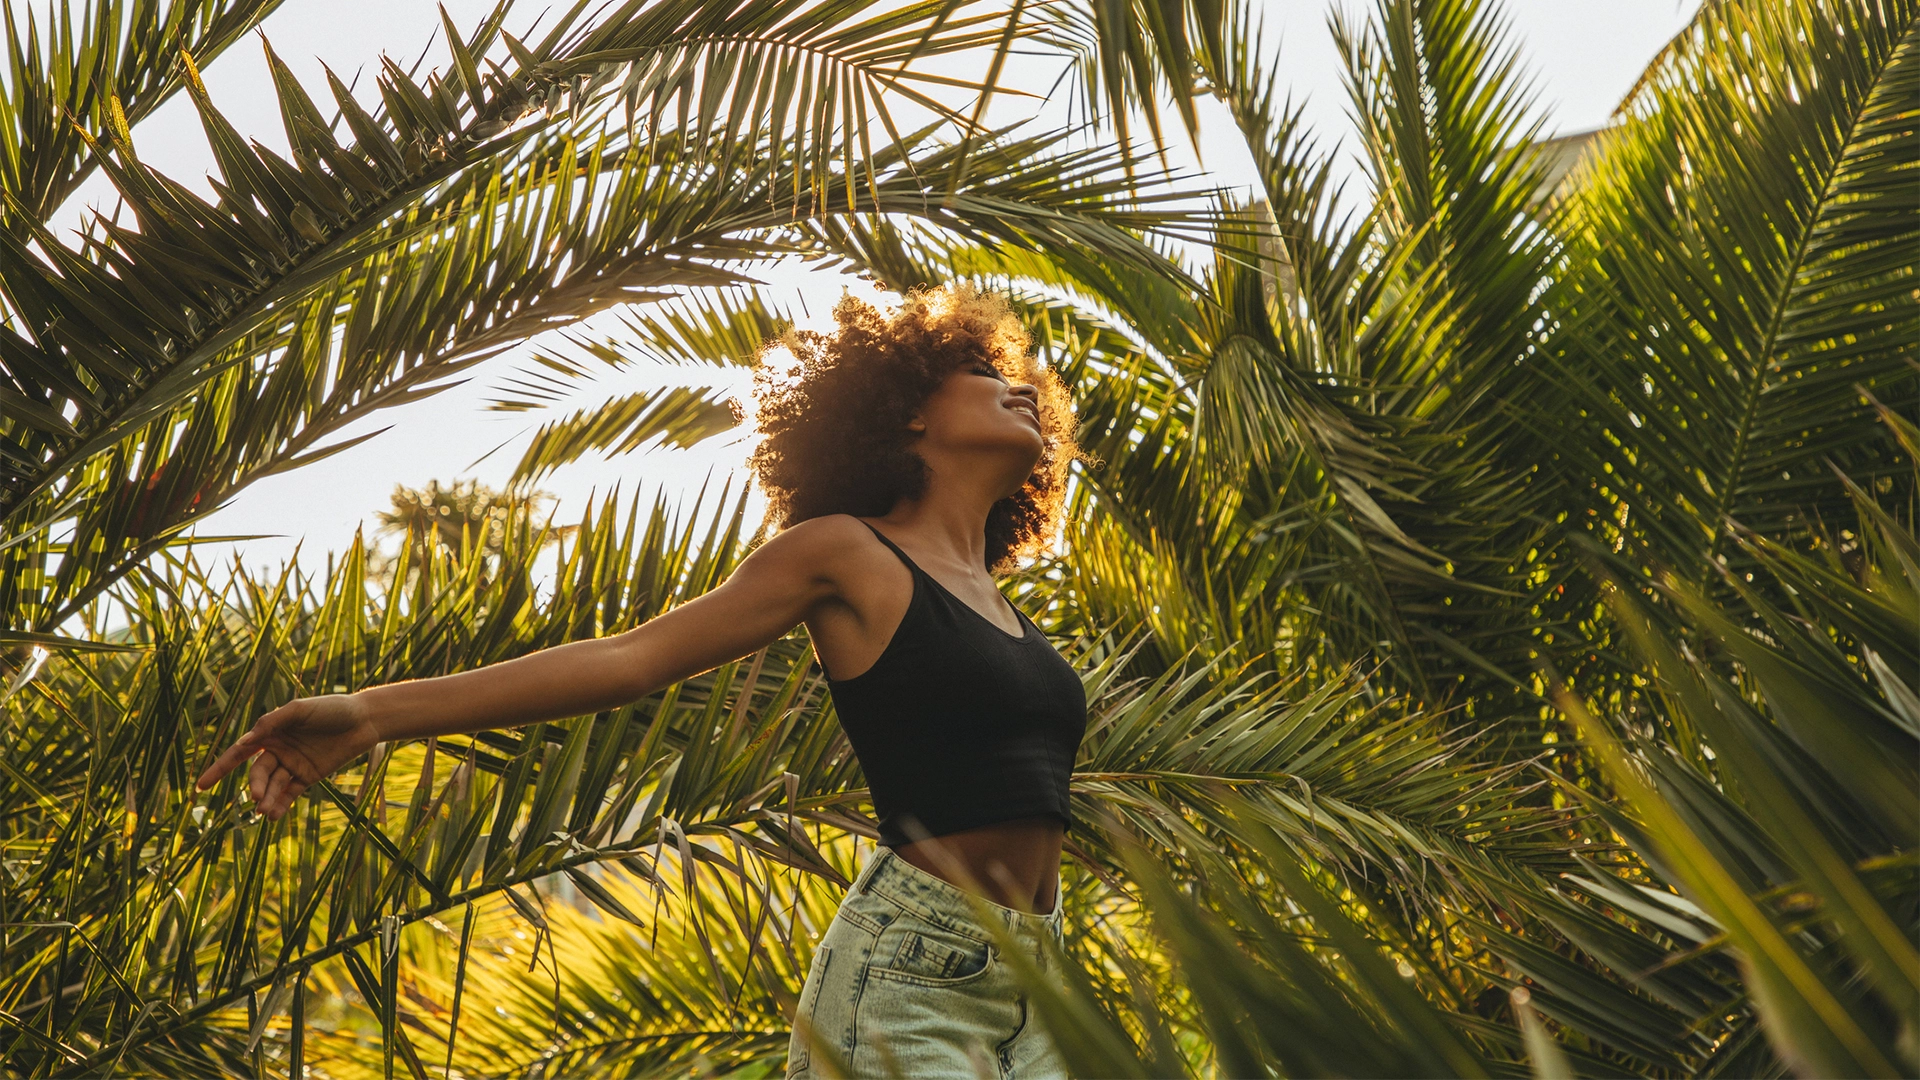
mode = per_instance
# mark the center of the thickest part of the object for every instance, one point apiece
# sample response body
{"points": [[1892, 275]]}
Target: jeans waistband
{"points": [[942, 902]]}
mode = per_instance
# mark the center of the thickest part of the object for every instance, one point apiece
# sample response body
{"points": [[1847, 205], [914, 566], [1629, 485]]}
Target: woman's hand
{"points": [[297, 744]]}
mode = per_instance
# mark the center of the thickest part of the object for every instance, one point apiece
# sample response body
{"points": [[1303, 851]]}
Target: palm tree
{"points": [[1700, 442], [156, 366], [460, 514], [1432, 436]]}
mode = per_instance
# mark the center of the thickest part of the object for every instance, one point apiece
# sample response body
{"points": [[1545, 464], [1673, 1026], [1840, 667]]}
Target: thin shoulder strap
{"points": [[911, 565]]}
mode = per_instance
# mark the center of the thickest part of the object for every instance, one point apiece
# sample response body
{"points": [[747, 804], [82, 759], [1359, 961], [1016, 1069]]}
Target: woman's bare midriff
{"points": [[1014, 863]]}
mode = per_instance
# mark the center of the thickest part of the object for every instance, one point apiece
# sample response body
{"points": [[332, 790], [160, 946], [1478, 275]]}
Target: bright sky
{"points": [[1583, 57]]}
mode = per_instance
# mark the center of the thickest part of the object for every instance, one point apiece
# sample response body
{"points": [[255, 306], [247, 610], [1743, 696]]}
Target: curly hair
{"points": [[834, 437]]}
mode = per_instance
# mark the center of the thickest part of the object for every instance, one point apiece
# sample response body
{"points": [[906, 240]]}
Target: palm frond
{"points": [[1744, 239], [679, 416], [1790, 837], [1292, 987], [212, 926], [726, 328], [413, 270], [109, 72], [1134, 54]]}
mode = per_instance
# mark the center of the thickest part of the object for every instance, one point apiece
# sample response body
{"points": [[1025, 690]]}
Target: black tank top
{"points": [[959, 723]]}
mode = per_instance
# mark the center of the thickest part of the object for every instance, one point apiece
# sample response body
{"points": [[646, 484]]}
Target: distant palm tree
{"points": [[465, 513]]}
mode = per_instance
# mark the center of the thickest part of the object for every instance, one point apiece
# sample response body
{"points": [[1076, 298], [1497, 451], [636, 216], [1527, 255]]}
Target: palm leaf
{"points": [[416, 296], [1806, 875], [109, 72], [1746, 229], [726, 329], [679, 416]]}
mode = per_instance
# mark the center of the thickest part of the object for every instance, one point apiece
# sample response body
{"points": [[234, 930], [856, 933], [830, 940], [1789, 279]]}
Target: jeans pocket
{"points": [[799, 1046], [922, 953]]}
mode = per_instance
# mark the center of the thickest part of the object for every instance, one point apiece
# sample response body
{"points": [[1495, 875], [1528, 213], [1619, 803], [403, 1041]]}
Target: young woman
{"points": [[906, 458]]}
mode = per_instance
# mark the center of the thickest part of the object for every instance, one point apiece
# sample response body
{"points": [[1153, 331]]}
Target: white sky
{"points": [[1583, 57]]}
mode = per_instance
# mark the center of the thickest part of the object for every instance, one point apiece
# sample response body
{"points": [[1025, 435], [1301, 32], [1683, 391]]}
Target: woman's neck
{"points": [[950, 523]]}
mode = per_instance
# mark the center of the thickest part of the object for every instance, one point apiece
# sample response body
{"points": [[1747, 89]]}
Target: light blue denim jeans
{"points": [[907, 982]]}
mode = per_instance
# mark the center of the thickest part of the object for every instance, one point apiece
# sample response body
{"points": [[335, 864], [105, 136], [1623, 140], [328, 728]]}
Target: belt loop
{"points": [[866, 872]]}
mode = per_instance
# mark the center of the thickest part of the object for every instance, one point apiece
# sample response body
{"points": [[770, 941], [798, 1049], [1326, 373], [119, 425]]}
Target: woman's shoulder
{"points": [[825, 531], [838, 557], [823, 544]]}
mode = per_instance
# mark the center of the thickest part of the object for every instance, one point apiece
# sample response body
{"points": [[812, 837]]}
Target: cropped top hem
{"points": [[893, 832]]}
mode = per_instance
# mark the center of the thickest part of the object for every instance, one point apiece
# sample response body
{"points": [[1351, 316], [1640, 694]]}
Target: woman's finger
{"points": [[249, 744], [260, 774], [242, 749], [293, 790], [276, 788]]}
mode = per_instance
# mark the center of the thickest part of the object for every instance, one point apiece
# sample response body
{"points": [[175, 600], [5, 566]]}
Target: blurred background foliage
{"points": [[1497, 596], [456, 516]]}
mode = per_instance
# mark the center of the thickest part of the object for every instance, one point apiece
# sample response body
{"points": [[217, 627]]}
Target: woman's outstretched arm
{"points": [[769, 593]]}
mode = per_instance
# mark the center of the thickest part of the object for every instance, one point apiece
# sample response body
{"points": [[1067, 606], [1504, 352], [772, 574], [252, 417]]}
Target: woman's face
{"points": [[976, 412]]}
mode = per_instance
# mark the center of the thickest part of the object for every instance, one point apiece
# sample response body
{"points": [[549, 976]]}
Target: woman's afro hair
{"points": [[833, 423]]}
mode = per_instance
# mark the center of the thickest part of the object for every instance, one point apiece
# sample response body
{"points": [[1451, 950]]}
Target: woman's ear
{"points": [[917, 424]]}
